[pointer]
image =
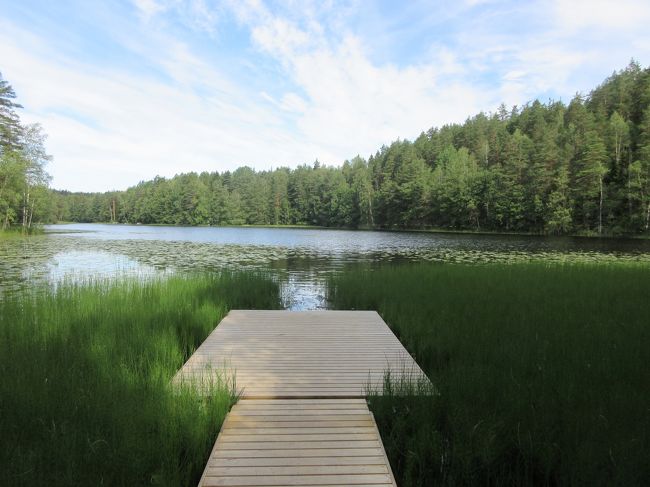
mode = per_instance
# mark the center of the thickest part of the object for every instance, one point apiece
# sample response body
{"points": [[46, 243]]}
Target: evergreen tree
{"points": [[590, 178], [543, 167], [10, 129]]}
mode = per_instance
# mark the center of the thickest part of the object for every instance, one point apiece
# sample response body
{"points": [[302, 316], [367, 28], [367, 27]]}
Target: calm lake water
{"points": [[300, 259]]}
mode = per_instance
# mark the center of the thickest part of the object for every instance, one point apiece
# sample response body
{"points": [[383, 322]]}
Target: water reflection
{"points": [[79, 265], [300, 259]]}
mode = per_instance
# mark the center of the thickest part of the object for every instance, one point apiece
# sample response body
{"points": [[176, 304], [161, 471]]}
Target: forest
{"points": [[545, 167], [24, 194]]}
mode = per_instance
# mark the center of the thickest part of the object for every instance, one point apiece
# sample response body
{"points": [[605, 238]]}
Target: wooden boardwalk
{"points": [[285, 354], [302, 419], [298, 442]]}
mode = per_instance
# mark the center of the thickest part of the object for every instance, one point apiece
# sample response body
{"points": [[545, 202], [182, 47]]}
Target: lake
{"points": [[300, 259]]}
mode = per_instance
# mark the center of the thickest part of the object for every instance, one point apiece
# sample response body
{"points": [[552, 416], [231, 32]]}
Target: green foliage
{"points": [[540, 372], [590, 179], [24, 197], [85, 395], [10, 128], [542, 168]]}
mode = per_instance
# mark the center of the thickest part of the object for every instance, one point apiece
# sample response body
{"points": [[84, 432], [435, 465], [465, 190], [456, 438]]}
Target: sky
{"points": [[130, 89]]}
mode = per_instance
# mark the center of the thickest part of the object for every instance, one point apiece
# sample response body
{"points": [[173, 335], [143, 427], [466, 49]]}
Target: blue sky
{"points": [[131, 89]]}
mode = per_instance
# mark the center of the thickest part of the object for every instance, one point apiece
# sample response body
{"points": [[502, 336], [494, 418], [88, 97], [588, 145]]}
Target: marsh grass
{"points": [[85, 395], [541, 372], [18, 231]]}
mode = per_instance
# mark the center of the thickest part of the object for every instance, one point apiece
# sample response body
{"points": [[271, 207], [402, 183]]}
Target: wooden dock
{"points": [[288, 354], [298, 442], [302, 419]]}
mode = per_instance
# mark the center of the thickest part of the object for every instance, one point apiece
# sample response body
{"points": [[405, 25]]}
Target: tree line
{"points": [[552, 168], [24, 195]]}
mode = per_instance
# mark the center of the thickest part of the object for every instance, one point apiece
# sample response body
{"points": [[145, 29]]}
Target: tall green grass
{"points": [[542, 372], [18, 231], [85, 396]]}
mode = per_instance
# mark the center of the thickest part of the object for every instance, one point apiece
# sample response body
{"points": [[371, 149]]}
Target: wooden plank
{"points": [[304, 453], [303, 419], [296, 461], [282, 417], [305, 402], [305, 405], [254, 449], [297, 437], [267, 471], [297, 445], [235, 428], [314, 414], [381, 479], [272, 354], [246, 424]]}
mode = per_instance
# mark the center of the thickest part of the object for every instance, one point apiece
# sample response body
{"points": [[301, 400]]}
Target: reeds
{"points": [[85, 370], [541, 371]]}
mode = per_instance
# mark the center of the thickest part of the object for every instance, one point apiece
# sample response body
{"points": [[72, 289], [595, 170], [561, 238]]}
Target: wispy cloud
{"points": [[598, 16], [110, 128], [173, 85], [149, 8]]}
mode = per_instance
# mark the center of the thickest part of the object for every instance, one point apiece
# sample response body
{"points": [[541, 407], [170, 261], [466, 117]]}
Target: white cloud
{"points": [[148, 8], [199, 15], [539, 49], [280, 38], [322, 94], [109, 129], [356, 106], [599, 15], [350, 105], [294, 103], [202, 16]]}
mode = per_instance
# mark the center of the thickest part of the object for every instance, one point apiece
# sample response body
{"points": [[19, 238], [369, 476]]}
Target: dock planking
{"points": [[303, 377], [332, 442], [284, 354]]}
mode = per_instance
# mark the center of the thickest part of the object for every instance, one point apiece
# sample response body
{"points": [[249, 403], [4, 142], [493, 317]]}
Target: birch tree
{"points": [[36, 178]]}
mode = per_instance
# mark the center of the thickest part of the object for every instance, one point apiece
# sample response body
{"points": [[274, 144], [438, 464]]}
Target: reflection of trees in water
{"points": [[23, 261], [301, 271]]}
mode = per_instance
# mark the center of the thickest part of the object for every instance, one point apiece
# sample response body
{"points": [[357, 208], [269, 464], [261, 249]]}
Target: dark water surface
{"points": [[300, 259]]}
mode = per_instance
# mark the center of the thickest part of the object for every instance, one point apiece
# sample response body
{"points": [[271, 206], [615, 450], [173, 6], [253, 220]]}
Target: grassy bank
{"points": [[542, 372], [17, 232], [84, 380]]}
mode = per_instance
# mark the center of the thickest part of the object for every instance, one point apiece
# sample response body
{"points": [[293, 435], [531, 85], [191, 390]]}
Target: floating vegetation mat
{"points": [[300, 270]]}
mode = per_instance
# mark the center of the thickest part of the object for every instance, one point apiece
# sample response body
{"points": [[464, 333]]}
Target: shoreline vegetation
{"points": [[85, 394], [541, 380], [539, 369], [21, 232], [543, 168], [363, 229]]}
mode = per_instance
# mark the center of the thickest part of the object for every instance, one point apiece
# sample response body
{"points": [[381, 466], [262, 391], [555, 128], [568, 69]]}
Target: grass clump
{"points": [[540, 371], [19, 231], [85, 370]]}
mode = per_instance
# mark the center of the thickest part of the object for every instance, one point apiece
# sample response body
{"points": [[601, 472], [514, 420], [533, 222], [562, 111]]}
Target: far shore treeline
{"points": [[552, 168]]}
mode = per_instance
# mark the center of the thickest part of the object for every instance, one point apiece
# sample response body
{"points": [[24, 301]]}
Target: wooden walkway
{"points": [[287, 354], [302, 419], [298, 442]]}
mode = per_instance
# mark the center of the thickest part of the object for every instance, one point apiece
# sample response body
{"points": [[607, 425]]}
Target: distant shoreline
{"points": [[374, 229]]}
